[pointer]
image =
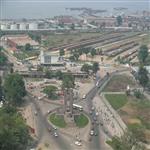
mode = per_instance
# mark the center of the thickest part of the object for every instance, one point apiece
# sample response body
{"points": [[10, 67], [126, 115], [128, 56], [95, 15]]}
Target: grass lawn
{"points": [[81, 121], [57, 120], [60, 39], [116, 100]]}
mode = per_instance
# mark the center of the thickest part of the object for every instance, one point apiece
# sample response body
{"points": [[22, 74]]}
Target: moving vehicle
{"points": [[91, 132], [55, 134], [84, 96], [78, 143], [75, 106]]}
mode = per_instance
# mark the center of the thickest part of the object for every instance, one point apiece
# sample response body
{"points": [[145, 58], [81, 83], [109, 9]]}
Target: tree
{"points": [[49, 74], [119, 20], [27, 47], [93, 52], [68, 81], [143, 53], [86, 68], [1, 89], [143, 76], [14, 89], [95, 67], [51, 91], [59, 75], [3, 58], [61, 52], [35, 37], [13, 131], [72, 26], [126, 142]]}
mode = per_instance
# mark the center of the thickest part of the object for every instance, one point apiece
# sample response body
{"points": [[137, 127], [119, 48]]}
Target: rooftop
{"points": [[22, 40]]}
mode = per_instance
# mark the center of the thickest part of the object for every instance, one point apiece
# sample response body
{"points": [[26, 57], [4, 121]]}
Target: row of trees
{"points": [[83, 50], [87, 68], [14, 133], [142, 72], [3, 58]]}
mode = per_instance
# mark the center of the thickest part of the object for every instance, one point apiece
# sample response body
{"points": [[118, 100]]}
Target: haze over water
{"points": [[17, 9]]}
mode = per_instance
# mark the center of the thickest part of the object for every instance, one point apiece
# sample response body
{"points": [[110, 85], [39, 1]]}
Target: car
{"points": [[92, 108], [55, 128], [35, 113], [49, 111], [96, 134], [91, 132], [84, 96], [55, 134], [77, 143], [96, 114], [95, 119], [90, 112]]}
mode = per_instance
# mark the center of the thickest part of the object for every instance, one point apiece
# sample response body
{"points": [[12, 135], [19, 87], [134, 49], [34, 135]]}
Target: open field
{"points": [[134, 112], [119, 83], [61, 39], [116, 100]]}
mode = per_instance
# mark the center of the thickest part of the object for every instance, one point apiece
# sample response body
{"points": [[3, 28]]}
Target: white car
{"points": [[55, 134], [77, 143], [84, 96], [91, 132]]}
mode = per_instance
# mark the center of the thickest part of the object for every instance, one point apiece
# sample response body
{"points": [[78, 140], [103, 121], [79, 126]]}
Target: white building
{"points": [[33, 26], [13, 27], [22, 26], [3, 27], [48, 58]]}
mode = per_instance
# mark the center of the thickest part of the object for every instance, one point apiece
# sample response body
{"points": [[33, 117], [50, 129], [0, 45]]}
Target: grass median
{"points": [[81, 120], [57, 120]]}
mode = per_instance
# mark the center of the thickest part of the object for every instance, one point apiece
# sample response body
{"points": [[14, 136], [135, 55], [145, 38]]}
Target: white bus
{"points": [[78, 107]]}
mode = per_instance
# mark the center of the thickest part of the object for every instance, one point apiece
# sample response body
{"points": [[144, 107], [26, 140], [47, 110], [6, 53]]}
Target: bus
{"points": [[78, 107]]}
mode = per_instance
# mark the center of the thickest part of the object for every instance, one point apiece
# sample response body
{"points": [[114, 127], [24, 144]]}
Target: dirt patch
{"points": [[119, 83]]}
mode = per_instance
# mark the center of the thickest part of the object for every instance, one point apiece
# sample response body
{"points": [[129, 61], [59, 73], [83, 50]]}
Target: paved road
{"points": [[42, 128]]}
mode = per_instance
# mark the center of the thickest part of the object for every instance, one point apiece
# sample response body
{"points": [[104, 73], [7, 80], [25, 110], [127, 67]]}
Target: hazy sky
{"points": [[49, 8]]}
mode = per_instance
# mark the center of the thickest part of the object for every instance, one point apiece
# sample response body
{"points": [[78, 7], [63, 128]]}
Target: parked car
{"points": [[77, 143]]}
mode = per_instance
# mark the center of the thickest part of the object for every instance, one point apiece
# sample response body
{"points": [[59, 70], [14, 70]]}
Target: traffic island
{"points": [[57, 120], [81, 121]]}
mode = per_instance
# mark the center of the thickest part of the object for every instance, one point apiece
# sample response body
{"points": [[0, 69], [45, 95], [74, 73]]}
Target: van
{"points": [[84, 96]]}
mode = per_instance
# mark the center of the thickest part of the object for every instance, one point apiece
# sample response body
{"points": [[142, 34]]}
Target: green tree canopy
{"points": [[14, 89], [143, 76], [93, 52], [86, 68], [143, 53], [13, 131], [50, 91], [68, 81], [59, 75], [95, 67], [3, 58], [61, 52], [72, 26], [119, 20], [27, 47]]}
